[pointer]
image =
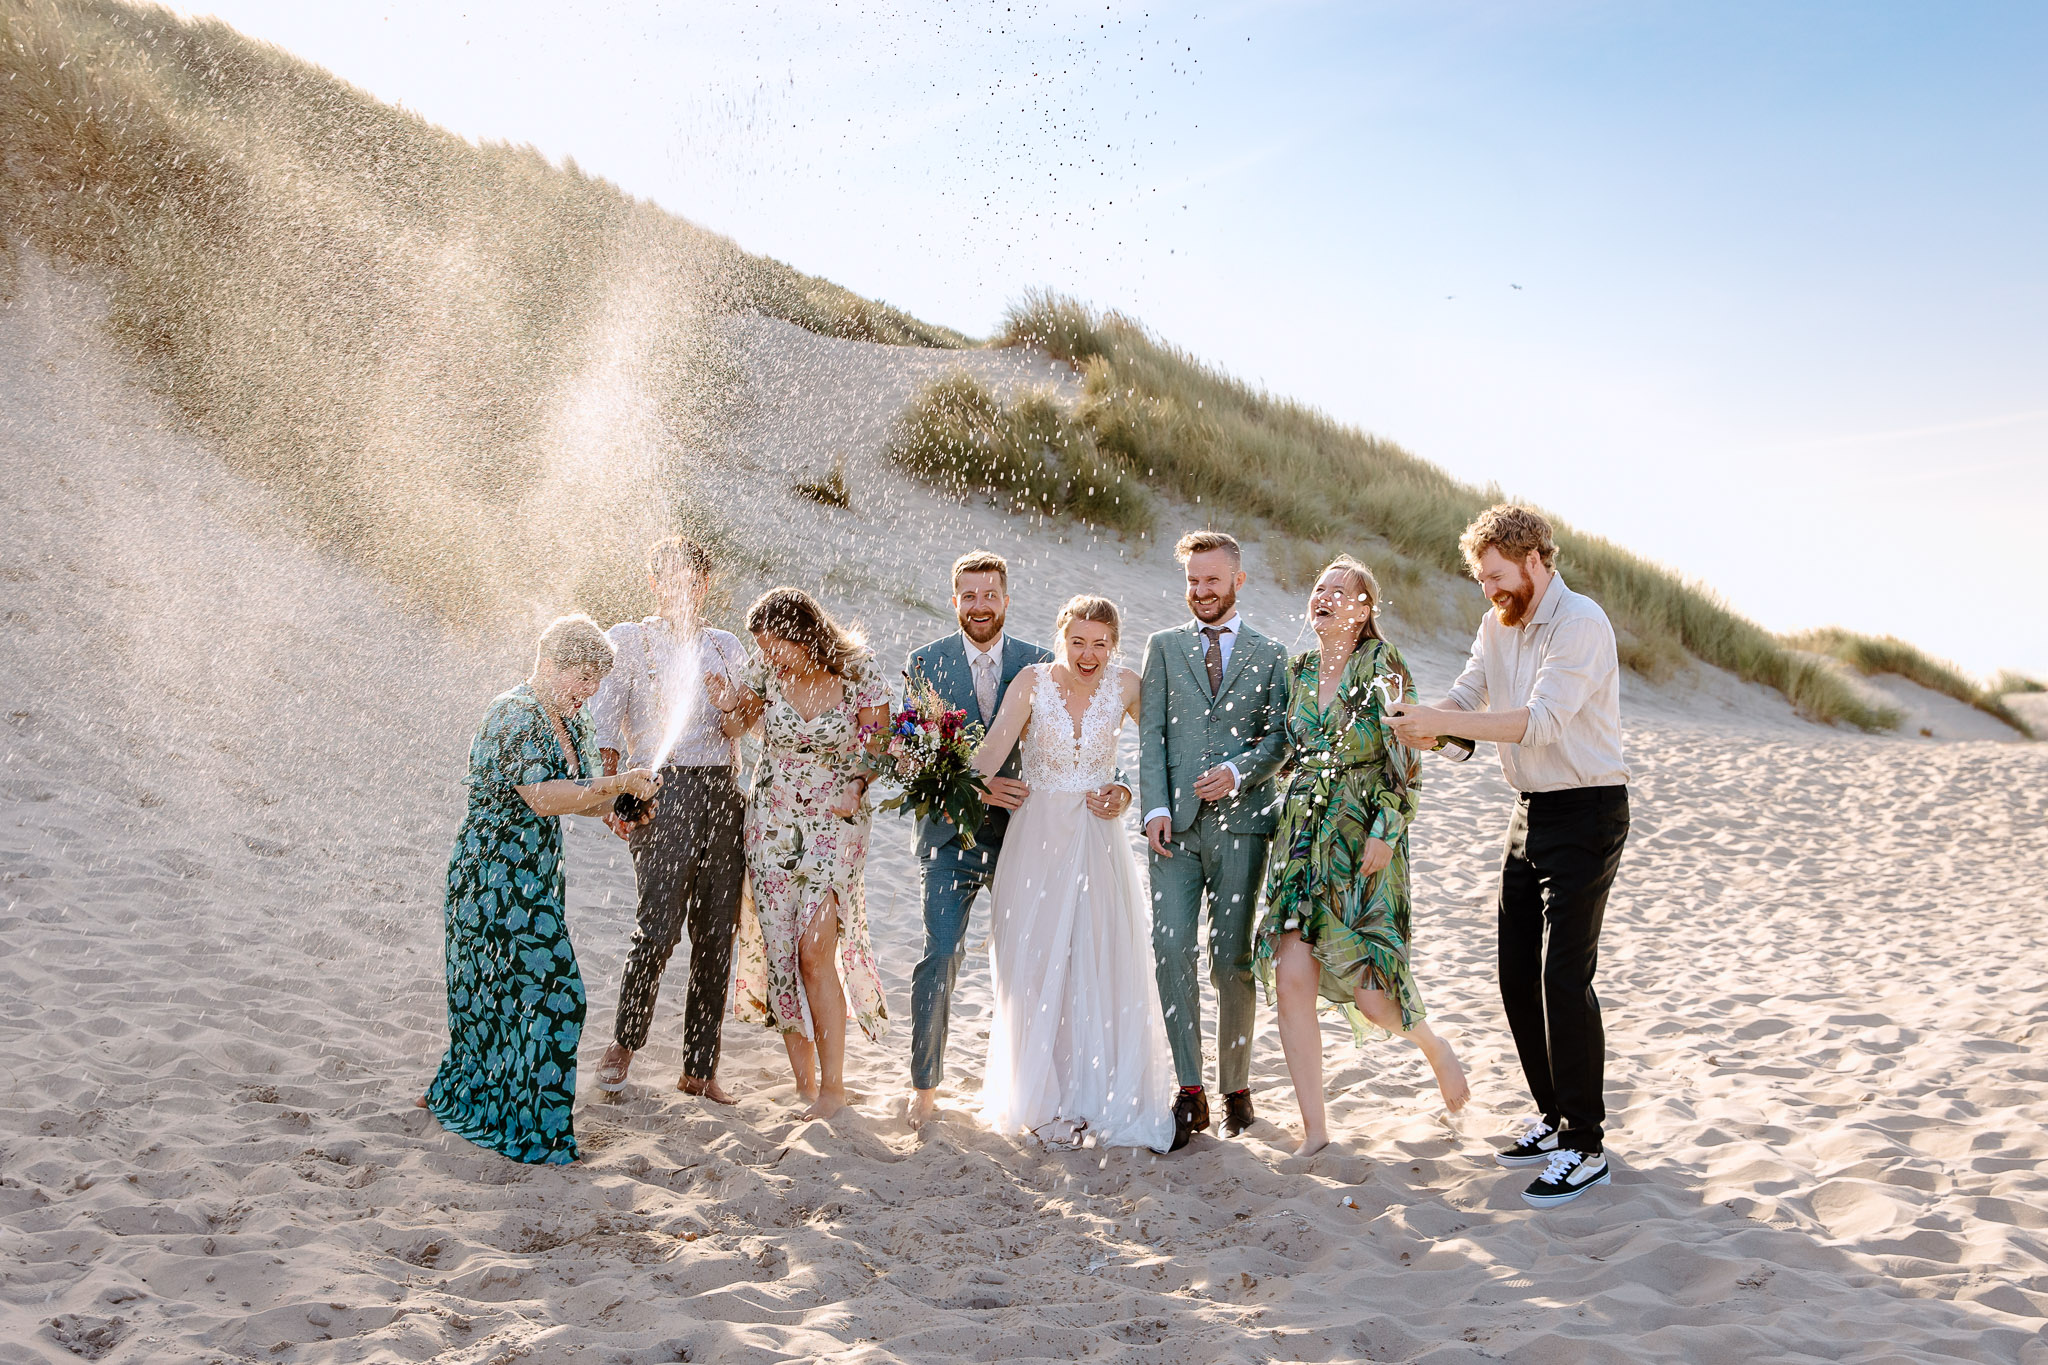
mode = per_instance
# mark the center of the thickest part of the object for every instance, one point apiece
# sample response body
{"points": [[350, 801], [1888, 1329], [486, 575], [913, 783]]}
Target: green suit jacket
{"points": [[1183, 731]]}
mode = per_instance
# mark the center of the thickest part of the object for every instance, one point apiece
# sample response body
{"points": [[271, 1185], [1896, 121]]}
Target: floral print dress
{"points": [[1352, 781], [799, 854], [515, 997]]}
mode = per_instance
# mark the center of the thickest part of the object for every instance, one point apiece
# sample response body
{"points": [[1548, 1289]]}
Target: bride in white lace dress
{"points": [[1077, 1050]]}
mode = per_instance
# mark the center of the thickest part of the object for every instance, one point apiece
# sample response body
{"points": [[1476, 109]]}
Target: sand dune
{"points": [[232, 772]]}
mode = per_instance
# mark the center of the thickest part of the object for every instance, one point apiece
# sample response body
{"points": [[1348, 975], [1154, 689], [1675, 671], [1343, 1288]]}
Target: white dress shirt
{"points": [[1561, 665], [1226, 637], [650, 677], [993, 652]]}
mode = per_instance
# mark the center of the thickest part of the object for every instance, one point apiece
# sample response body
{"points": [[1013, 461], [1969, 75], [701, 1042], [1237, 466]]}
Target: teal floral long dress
{"points": [[515, 997], [1352, 781]]}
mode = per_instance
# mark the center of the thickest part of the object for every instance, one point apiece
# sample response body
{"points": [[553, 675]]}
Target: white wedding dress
{"points": [[1077, 1034]]}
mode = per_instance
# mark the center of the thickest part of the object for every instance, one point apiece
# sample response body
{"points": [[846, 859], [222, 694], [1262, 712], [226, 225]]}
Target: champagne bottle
{"points": [[1454, 747]]}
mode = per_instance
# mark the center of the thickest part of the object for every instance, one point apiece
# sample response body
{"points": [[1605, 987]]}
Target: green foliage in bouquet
{"points": [[929, 754]]}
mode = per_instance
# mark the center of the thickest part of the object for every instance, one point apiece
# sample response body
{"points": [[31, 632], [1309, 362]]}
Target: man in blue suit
{"points": [[971, 670]]}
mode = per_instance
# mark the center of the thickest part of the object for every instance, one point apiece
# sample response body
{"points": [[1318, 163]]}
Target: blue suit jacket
{"points": [[943, 663]]}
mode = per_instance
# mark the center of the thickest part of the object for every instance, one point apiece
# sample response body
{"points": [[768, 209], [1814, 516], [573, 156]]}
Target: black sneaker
{"points": [[1533, 1148], [1569, 1175], [1237, 1112], [1190, 1116]]}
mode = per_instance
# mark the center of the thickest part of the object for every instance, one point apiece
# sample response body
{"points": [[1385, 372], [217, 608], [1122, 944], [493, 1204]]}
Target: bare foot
{"points": [[708, 1087], [923, 1104], [1311, 1143], [826, 1104], [612, 1068], [1450, 1075], [420, 1103]]}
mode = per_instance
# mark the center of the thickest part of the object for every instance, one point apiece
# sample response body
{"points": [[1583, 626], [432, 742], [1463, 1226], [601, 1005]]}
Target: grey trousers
{"points": [[1209, 864], [688, 862]]}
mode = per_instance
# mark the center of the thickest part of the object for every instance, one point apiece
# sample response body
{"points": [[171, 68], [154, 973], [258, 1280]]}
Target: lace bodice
{"points": [[1054, 760]]}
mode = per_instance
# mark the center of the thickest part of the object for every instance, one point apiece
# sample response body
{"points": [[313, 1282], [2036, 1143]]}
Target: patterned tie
{"points": [[985, 686], [1215, 634]]}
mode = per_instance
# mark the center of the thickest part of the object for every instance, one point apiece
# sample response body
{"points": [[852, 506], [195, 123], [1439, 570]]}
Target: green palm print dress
{"points": [[1352, 781], [515, 997]]}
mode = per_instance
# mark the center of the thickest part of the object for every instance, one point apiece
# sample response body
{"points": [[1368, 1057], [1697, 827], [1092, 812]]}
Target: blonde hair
{"points": [[573, 641], [982, 561], [1195, 542], [1365, 585], [1100, 610], [1512, 530], [794, 615]]}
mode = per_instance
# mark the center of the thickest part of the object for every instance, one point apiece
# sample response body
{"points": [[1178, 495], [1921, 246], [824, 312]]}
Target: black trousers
{"points": [[688, 863], [1563, 849]]}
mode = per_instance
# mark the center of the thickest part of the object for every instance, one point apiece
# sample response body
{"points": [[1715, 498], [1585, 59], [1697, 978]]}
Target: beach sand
{"points": [[232, 772]]}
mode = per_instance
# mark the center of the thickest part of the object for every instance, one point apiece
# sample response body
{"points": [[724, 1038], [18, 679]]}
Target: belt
{"points": [[1576, 796]]}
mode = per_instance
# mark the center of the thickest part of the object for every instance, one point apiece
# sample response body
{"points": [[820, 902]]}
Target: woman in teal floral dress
{"points": [[515, 998], [1337, 909]]}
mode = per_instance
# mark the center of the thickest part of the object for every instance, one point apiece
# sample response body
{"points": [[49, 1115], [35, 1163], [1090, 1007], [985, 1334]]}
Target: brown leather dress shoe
{"points": [[1190, 1116], [1237, 1112]]}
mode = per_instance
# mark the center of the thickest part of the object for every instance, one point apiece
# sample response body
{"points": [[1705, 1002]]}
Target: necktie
{"points": [[985, 686], [1215, 634]]}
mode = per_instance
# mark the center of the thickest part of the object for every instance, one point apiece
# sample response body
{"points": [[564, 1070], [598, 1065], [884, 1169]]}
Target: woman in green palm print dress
{"points": [[515, 998], [1337, 910]]}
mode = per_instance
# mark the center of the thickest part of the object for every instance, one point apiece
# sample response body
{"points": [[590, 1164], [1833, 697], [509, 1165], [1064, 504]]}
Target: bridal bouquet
{"points": [[930, 755]]}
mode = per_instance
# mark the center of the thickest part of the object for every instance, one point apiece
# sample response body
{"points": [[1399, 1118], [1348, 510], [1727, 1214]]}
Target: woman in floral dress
{"points": [[803, 956], [515, 997], [1337, 909]]}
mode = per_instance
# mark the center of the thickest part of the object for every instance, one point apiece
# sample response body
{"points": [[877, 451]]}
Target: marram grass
{"points": [[1872, 654], [461, 364], [1029, 455], [1269, 464]]}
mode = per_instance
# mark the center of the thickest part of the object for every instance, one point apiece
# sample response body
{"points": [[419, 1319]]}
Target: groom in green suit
{"points": [[1212, 732]]}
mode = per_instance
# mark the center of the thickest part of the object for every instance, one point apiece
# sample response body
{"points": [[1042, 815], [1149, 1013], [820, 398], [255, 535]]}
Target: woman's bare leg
{"points": [[1295, 976], [818, 962], [803, 1065], [1380, 1008]]}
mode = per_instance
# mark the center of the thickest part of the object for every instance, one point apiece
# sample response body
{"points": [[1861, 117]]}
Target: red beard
{"points": [[1515, 610]]}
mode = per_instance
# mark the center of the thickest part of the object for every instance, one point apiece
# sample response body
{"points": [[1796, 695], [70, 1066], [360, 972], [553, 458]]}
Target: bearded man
{"points": [[1544, 685], [971, 671], [1212, 732]]}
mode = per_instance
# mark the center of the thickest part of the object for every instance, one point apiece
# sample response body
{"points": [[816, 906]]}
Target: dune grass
{"points": [[462, 364], [1266, 462], [1874, 654], [2008, 682], [1029, 455]]}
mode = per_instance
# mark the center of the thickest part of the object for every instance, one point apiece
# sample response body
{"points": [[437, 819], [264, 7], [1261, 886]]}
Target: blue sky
{"points": [[1783, 315]]}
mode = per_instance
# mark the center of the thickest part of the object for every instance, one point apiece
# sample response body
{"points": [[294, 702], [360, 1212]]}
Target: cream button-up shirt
{"points": [[1561, 665], [653, 675]]}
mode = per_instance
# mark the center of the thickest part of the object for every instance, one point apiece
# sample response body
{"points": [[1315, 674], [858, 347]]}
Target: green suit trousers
{"points": [[1229, 868]]}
